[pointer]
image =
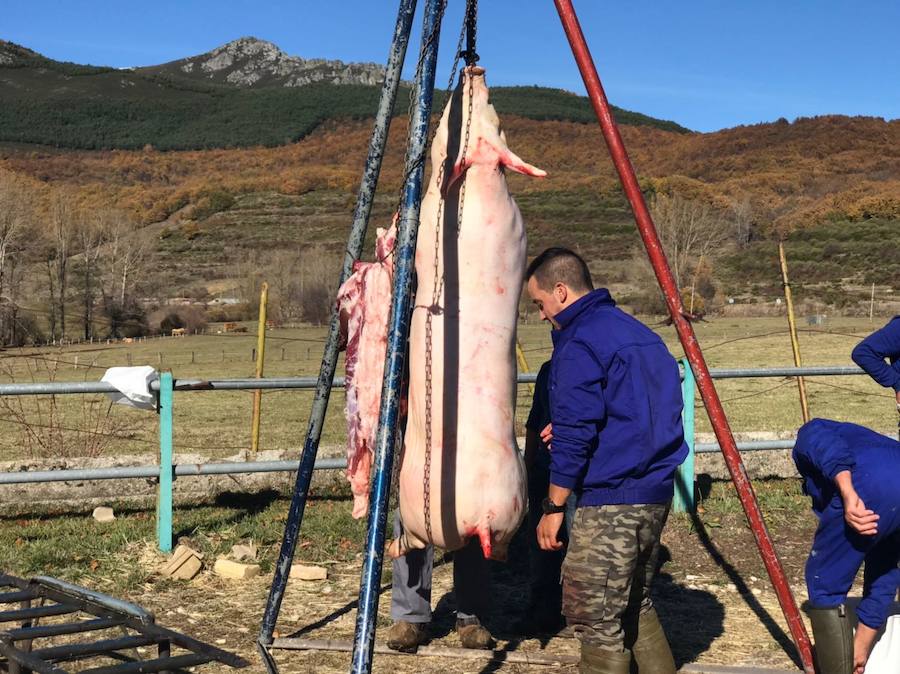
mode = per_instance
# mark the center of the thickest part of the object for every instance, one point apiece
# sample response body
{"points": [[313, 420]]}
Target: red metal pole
{"points": [[685, 330]]}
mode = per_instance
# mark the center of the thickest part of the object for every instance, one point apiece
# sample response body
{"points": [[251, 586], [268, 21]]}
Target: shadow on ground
{"points": [[704, 483], [692, 619]]}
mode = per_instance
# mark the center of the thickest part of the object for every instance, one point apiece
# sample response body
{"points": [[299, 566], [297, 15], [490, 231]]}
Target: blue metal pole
{"points": [[166, 472], [364, 641], [377, 144], [684, 478]]}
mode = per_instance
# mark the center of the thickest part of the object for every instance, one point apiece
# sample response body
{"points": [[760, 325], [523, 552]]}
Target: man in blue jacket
{"points": [[617, 438], [850, 472], [879, 355]]}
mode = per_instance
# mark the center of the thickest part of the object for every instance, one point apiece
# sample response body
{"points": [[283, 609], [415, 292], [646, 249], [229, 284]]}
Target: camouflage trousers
{"points": [[608, 569]]}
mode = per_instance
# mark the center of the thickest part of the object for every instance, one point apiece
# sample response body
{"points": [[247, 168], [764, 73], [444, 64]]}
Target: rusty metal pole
{"points": [[685, 332], [260, 361], [792, 325]]}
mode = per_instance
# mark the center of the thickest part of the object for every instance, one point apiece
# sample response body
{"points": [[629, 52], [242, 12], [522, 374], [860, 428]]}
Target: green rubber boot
{"points": [[833, 635], [651, 651], [595, 660]]}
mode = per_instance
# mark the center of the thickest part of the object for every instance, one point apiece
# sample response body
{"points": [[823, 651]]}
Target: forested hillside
{"points": [[66, 105]]}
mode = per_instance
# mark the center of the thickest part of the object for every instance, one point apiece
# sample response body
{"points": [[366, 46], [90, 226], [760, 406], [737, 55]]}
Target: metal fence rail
{"points": [[180, 469], [269, 383], [240, 467], [168, 469]]}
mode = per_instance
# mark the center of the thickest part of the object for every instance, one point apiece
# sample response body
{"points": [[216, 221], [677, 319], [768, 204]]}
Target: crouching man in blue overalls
{"points": [[851, 473]]}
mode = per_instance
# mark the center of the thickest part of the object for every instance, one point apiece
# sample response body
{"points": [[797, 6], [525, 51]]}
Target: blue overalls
{"points": [[825, 448]]}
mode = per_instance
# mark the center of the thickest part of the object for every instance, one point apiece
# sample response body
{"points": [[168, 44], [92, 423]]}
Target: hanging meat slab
{"points": [[364, 301], [461, 473]]}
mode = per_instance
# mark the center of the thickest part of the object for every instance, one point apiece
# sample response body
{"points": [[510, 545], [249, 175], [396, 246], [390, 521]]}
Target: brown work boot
{"points": [[651, 651], [596, 660], [406, 637], [472, 634]]}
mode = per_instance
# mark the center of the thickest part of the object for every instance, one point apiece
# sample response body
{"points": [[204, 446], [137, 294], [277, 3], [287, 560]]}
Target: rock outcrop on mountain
{"points": [[14, 55], [250, 62]]}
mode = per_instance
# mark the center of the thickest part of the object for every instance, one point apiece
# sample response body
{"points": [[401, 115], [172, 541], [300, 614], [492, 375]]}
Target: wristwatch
{"points": [[550, 508]]}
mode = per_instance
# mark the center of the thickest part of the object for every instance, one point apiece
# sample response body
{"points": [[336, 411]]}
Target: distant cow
{"points": [[178, 332]]}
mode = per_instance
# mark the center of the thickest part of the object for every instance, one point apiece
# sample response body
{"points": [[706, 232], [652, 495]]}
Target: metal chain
{"points": [[434, 308]]}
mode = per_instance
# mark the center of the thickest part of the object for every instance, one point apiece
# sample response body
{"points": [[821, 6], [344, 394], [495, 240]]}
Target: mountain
{"points": [[17, 56], [250, 62], [246, 93]]}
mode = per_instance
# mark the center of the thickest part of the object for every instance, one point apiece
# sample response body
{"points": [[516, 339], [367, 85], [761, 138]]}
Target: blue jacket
{"points": [[825, 448], [871, 353], [615, 405]]}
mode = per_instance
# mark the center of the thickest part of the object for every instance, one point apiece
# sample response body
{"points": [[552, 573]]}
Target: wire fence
{"points": [[168, 468], [175, 352], [284, 384]]}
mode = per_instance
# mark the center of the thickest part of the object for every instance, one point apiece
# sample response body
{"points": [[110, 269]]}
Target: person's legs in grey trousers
{"points": [[411, 591], [411, 584]]}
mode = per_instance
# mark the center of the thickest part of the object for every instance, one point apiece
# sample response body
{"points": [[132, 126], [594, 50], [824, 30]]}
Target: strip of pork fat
{"points": [[364, 301]]}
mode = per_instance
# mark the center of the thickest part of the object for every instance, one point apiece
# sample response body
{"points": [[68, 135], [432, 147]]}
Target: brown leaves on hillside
{"points": [[798, 173]]}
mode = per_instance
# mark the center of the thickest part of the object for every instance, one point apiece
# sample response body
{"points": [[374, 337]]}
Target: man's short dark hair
{"points": [[560, 265]]}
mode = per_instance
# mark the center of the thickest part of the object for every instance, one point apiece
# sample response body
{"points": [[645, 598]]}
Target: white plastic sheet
{"points": [[133, 384], [885, 657]]}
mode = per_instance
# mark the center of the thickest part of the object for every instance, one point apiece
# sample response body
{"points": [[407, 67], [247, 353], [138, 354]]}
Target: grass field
{"points": [[712, 593], [218, 423], [713, 596]]}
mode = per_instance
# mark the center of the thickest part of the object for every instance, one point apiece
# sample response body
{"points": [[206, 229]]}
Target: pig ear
{"points": [[504, 156], [513, 161], [498, 150]]}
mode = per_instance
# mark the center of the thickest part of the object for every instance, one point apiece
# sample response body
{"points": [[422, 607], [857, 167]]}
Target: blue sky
{"points": [[705, 64]]}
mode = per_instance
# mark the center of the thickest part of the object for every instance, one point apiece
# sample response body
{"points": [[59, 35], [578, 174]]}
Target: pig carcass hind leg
{"points": [[406, 542]]}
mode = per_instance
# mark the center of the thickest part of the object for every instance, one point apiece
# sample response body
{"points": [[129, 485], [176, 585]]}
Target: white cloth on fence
{"points": [[885, 655], [133, 384]]}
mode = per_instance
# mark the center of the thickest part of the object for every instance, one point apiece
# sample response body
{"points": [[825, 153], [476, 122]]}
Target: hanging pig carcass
{"points": [[461, 473], [364, 302]]}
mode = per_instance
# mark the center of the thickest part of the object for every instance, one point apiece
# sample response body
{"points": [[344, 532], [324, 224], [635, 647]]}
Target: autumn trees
{"points": [[63, 264], [695, 233], [94, 261], [16, 228]]}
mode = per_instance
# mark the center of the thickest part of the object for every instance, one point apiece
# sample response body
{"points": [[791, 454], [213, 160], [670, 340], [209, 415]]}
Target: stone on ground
{"points": [[243, 552], [307, 572], [184, 565], [235, 570], [104, 514]]}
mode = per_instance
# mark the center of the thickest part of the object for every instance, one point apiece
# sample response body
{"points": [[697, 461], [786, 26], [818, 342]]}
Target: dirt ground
{"points": [[712, 593]]}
